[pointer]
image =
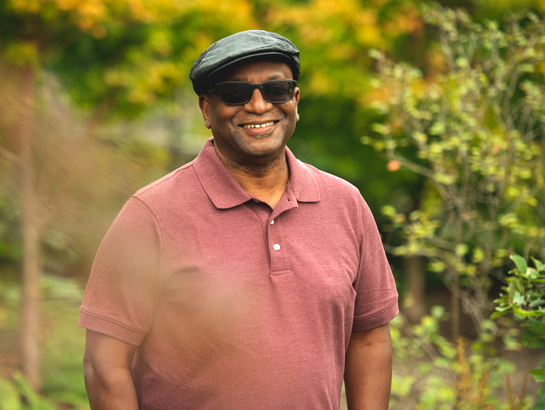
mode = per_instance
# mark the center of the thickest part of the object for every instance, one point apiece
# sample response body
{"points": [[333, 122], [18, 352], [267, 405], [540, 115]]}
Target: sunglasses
{"points": [[241, 92]]}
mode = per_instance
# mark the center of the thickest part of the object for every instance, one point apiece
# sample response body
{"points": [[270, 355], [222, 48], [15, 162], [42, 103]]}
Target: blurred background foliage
{"points": [[96, 102]]}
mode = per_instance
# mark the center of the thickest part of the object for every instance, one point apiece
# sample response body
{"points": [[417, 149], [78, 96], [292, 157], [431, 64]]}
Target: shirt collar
{"points": [[225, 192]]}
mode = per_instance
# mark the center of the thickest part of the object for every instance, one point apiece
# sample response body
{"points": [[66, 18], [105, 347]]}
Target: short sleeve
{"points": [[121, 294], [376, 294]]}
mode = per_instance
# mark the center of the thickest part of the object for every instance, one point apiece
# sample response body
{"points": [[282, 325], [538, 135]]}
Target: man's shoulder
{"points": [[331, 184], [169, 186]]}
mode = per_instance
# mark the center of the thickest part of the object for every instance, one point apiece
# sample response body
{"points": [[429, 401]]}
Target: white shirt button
{"points": [[276, 247], [272, 222]]}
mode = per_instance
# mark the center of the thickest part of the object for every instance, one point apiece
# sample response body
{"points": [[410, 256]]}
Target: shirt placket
{"points": [[276, 239]]}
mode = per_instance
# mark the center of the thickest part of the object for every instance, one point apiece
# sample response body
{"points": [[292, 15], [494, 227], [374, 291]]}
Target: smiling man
{"points": [[245, 279]]}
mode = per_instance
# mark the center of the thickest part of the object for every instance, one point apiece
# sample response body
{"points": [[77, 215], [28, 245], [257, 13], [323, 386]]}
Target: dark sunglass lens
{"points": [[235, 93], [278, 91]]}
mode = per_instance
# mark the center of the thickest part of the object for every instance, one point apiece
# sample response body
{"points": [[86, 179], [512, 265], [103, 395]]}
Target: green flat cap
{"points": [[238, 47]]}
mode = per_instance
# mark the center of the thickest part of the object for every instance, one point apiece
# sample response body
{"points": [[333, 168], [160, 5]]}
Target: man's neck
{"points": [[265, 181]]}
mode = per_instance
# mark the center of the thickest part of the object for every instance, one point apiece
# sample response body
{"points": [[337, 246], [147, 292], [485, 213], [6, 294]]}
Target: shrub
{"points": [[524, 297]]}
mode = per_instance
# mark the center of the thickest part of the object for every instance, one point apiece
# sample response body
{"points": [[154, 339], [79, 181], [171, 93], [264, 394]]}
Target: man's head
{"points": [[248, 95]]}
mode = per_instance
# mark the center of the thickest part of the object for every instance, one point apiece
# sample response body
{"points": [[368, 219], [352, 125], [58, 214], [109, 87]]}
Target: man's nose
{"points": [[257, 104]]}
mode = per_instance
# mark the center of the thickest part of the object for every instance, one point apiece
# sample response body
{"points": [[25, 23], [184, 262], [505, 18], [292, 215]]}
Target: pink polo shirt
{"points": [[233, 305]]}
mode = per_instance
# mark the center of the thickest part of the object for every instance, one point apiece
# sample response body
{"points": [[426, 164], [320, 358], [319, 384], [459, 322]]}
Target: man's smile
{"points": [[266, 124], [259, 128]]}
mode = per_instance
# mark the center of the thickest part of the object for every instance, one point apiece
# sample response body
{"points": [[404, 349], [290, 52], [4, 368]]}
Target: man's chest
{"points": [[304, 249]]}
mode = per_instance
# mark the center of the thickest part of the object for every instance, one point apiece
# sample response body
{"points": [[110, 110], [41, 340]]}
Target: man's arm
{"points": [[368, 369], [108, 381]]}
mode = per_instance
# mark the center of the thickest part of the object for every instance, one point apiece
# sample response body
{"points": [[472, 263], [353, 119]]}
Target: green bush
{"points": [[432, 373], [524, 297], [473, 127]]}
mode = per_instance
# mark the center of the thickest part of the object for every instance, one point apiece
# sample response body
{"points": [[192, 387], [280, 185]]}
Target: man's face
{"points": [[234, 140]]}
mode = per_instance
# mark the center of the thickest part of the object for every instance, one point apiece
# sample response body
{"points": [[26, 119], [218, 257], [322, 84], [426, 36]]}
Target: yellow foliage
{"points": [[23, 53], [324, 21], [407, 21], [25, 6], [367, 30], [90, 14], [160, 42], [319, 83], [238, 13]]}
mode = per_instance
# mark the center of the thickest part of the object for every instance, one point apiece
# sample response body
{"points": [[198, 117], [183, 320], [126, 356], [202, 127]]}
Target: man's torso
{"points": [[235, 305]]}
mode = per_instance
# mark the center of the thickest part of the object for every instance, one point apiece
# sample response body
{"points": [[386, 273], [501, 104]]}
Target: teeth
{"points": [[258, 125]]}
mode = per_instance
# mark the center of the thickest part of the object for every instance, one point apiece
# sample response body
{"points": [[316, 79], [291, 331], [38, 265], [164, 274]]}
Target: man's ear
{"points": [[296, 96], [204, 105]]}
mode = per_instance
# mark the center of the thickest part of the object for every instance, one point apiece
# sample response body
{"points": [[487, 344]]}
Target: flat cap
{"points": [[238, 47]]}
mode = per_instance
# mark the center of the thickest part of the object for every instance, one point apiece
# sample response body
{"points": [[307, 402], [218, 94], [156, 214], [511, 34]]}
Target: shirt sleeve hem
{"points": [[376, 320], [108, 327]]}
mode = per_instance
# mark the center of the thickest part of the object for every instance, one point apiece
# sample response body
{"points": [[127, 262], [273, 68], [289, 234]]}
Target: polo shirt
{"points": [[232, 304]]}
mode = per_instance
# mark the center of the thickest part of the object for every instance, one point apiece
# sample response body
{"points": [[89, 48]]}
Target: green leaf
{"points": [[498, 314], [374, 53], [442, 362], [540, 266], [537, 302], [537, 372], [437, 128], [445, 179], [436, 266], [461, 249], [462, 62], [518, 298], [534, 337], [540, 404], [389, 211], [520, 262], [25, 389], [527, 313], [536, 343], [366, 140], [511, 289], [538, 330], [528, 68], [10, 396], [380, 128], [478, 255], [437, 311]]}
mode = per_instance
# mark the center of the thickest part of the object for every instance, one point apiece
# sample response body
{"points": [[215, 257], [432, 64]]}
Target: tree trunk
{"points": [[455, 306], [415, 307], [30, 230]]}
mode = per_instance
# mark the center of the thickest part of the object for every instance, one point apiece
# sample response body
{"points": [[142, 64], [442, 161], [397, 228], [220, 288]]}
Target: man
{"points": [[244, 279]]}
